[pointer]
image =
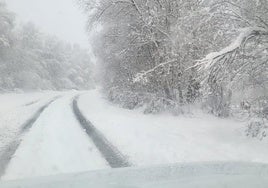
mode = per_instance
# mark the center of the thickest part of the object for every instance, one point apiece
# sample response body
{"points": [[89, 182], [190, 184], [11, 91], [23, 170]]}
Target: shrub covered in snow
{"points": [[257, 128]]}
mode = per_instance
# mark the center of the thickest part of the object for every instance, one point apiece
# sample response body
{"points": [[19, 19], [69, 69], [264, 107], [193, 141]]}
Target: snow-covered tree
{"points": [[180, 50], [242, 64], [30, 59]]}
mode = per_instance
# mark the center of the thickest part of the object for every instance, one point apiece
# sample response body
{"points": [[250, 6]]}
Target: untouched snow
{"points": [[55, 144], [161, 139], [11, 101]]}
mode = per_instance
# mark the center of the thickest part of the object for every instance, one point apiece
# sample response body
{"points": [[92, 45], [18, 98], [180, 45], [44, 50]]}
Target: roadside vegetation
{"points": [[167, 55]]}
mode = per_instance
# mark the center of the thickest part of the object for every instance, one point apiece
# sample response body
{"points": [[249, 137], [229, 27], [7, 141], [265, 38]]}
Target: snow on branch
{"points": [[239, 42], [142, 76]]}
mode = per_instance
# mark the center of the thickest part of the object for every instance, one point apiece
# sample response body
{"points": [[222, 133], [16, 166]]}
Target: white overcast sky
{"points": [[58, 17]]}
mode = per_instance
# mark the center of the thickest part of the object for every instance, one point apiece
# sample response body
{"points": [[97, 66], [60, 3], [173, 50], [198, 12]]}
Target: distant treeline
{"points": [[32, 60]]}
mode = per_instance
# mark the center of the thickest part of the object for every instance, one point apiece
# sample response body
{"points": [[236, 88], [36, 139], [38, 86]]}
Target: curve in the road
{"points": [[111, 154], [31, 103], [10, 149]]}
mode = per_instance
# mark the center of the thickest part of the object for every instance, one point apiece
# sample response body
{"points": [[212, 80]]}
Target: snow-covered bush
{"points": [[158, 105], [126, 99], [257, 128]]}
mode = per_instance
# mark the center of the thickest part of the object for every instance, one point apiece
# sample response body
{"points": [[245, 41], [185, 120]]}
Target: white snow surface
{"points": [[55, 144], [16, 109], [11, 101], [190, 175], [164, 139]]}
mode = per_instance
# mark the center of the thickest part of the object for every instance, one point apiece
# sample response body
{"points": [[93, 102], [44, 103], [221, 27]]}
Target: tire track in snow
{"points": [[111, 154], [31, 103], [28, 124], [11, 148]]}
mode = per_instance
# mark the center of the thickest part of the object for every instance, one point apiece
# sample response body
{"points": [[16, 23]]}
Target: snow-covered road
{"points": [[55, 144], [8, 150], [111, 154], [88, 133]]}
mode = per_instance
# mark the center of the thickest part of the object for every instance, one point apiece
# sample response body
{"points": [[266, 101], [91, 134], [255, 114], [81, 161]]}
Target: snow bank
{"points": [[161, 139]]}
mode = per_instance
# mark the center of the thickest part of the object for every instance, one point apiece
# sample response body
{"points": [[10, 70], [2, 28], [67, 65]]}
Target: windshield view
{"points": [[133, 93]]}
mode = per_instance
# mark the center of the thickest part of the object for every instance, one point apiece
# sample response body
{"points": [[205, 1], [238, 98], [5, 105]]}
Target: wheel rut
{"points": [[11, 148], [111, 154]]}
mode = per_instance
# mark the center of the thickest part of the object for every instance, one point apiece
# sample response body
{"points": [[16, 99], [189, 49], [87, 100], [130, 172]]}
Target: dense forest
{"points": [[30, 59], [167, 55]]}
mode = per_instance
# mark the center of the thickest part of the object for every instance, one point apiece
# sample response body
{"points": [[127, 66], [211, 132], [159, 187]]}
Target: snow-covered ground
{"points": [[55, 144], [160, 139], [16, 109], [10, 101], [195, 175]]}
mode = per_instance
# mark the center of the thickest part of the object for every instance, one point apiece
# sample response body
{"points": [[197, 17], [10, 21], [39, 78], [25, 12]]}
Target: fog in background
{"points": [[43, 46], [57, 17]]}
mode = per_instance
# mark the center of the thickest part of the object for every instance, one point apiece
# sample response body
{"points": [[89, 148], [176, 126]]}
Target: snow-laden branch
{"points": [[238, 43], [142, 76]]}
